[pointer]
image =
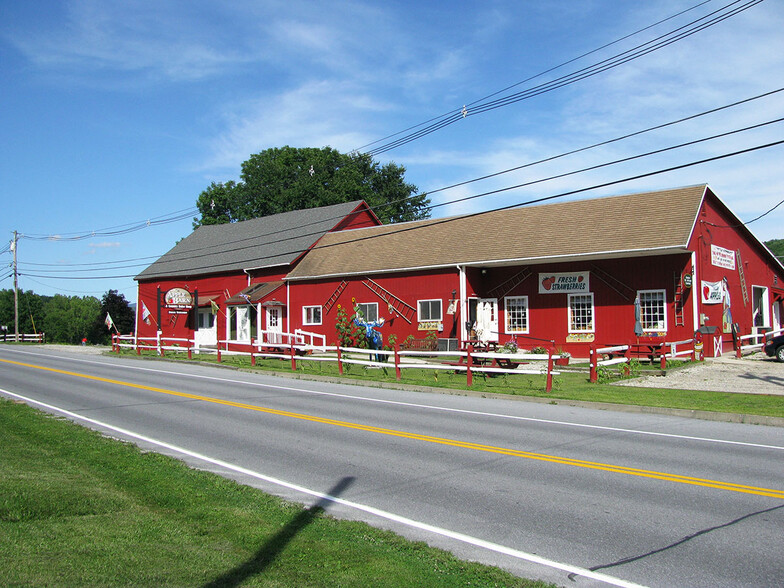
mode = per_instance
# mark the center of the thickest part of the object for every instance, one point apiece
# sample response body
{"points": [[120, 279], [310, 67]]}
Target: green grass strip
{"points": [[79, 509]]}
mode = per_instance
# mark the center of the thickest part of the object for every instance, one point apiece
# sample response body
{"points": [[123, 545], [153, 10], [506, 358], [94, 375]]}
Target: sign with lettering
{"points": [[721, 257], [564, 283], [178, 298]]}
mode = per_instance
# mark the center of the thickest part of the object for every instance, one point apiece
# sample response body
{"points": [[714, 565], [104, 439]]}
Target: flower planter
{"points": [[561, 361]]}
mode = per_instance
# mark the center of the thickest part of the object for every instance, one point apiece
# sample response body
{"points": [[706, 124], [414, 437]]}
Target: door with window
{"points": [[484, 312], [207, 333], [274, 335]]}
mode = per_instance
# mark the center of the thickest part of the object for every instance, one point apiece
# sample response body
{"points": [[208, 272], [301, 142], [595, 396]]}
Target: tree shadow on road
{"points": [[275, 545]]}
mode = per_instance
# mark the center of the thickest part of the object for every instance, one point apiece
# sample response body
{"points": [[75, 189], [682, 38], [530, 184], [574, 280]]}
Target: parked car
{"points": [[775, 347]]}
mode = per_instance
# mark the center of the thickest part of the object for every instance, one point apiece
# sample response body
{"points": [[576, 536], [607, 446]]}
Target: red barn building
{"points": [[649, 266], [225, 282]]}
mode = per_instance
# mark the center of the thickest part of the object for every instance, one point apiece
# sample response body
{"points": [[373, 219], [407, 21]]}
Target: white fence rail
{"points": [[297, 350]]}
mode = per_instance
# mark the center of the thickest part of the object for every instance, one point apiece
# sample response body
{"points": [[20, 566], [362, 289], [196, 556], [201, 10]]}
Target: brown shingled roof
{"points": [[611, 226]]}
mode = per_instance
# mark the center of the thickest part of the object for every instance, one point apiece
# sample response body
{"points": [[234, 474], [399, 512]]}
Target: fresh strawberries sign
{"points": [[564, 283]]}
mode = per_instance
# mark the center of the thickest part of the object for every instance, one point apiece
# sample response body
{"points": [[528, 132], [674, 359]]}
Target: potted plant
{"points": [[563, 358]]}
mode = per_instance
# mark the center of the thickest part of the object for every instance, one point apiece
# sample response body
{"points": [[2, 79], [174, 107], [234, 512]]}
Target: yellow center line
{"points": [[431, 439]]}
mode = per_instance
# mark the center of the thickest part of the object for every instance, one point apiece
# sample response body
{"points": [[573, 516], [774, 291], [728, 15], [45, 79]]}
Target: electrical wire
{"points": [[479, 106], [408, 226], [533, 77], [254, 241], [118, 230]]}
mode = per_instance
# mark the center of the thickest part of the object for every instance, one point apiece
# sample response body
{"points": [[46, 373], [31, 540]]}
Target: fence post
{"points": [[396, 349], [663, 364], [252, 355], [627, 354], [219, 351], [190, 353], [293, 357], [469, 363], [594, 364], [340, 362], [549, 386]]}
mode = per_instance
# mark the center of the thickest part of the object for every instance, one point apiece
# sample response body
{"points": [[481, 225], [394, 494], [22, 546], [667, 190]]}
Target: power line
{"points": [[478, 107], [533, 77], [407, 226], [118, 230], [194, 253]]}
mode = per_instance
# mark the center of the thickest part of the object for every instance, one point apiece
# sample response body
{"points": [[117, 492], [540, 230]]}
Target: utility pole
{"points": [[16, 290]]}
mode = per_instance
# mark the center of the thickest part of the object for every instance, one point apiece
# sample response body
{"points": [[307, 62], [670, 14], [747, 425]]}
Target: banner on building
{"points": [[564, 283], [721, 257], [712, 292]]}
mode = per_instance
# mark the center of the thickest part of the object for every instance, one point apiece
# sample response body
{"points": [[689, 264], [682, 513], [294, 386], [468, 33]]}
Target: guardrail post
{"points": [[594, 365], [469, 363], [549, 385], [340, 360], [396, 349]]}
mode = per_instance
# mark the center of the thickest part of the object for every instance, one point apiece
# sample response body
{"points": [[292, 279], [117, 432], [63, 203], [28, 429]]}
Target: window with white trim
{"points": [[581, 313], [653, 310], [430, 310], [311, 315], [369, 311], [516, 308]]}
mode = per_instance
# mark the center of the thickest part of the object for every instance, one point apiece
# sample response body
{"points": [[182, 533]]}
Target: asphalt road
{"points": [[646, 499]]}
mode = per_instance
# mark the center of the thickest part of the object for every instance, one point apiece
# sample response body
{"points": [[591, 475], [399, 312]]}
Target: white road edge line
{"points": [[355, 505], [430, 407]]}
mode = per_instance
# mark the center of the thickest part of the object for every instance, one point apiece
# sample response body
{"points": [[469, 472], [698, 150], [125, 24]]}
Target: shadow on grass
{"points": [[275, 545]]}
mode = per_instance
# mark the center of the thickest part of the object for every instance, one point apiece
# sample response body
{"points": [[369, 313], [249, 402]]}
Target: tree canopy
{"points": [[288, 178], [777, 247]]}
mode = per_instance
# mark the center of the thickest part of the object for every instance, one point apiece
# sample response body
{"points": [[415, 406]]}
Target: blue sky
{"points": [[118, 112]]}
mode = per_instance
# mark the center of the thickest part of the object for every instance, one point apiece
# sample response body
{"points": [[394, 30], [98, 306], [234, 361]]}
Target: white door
{"points": [[274, 325], [487, 319], [207, 334]]}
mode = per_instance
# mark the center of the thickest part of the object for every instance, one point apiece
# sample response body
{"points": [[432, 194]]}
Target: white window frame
{"points": [[663, 301], [510, 301], [428, 306], [591, 328], [308, 318], [366, 315]]}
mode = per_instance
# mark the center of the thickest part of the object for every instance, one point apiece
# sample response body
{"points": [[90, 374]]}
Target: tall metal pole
{"points": [[16, 292]]}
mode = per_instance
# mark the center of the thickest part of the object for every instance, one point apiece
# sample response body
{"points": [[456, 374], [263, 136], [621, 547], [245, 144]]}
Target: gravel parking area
{"points": [[753, 374]]}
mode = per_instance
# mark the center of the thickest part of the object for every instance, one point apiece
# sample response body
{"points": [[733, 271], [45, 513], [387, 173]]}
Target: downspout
{"points": [[695, 292]]}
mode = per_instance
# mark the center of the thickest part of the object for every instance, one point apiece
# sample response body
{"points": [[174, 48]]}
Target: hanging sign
{"points": [[178, 298], [721, 257], [712, 292], [564, 283]]}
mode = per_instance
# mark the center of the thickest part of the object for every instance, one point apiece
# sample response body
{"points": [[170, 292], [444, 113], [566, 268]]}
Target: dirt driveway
{"points": [[753, 374]]}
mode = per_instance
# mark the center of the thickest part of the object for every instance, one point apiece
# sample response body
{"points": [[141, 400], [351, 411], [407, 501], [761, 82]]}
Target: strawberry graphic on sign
{"points": [[547, 283]]}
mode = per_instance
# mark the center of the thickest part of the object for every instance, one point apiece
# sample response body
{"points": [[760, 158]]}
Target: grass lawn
{"points": [[78, 509], [567, 386]]}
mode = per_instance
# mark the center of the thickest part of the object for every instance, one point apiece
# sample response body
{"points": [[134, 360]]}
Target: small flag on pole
{"points": [[109, 322], [146, 315], [214, 307]]}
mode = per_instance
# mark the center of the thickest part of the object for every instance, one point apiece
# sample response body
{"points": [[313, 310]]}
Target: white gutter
{"points": [[671, 250]]}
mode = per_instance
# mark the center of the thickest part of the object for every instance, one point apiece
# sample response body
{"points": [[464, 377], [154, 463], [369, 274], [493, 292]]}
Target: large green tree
{"points": [[69, 319], [121, 312], [288, 178]]}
